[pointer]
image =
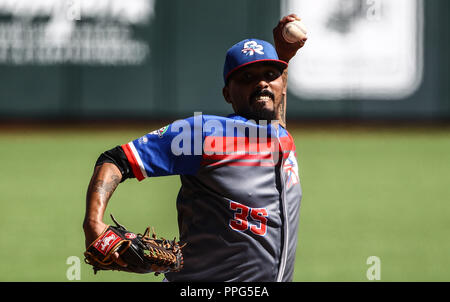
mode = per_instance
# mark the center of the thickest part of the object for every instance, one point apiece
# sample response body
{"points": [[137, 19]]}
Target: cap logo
{"points": [[251, 47]]}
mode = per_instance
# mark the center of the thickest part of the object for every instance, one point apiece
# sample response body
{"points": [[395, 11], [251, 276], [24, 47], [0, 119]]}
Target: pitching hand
{"points": [[286, 51]]}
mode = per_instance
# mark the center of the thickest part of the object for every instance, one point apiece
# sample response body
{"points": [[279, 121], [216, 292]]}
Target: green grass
{"points": [[367, 192]]}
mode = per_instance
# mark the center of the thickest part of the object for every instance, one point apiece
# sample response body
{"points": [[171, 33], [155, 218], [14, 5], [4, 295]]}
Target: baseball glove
{"points": [[142, 253]]}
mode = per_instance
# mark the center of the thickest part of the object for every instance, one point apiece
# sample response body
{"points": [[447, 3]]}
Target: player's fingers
{"points": [[115, 256], [294, 17], [289, 18]]}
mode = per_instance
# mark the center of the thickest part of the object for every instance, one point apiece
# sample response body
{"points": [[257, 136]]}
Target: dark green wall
{"points": [[188, 41]]}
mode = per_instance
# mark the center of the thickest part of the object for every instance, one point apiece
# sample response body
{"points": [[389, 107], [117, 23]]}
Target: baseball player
{"points": [[239, 201]]}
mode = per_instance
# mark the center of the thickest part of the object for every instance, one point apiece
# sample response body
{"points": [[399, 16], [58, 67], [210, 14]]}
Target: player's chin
{"points": [[263, 113]]}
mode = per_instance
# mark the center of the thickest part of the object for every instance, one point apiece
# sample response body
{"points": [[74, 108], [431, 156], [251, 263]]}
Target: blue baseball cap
{"points": [[250, 51]]}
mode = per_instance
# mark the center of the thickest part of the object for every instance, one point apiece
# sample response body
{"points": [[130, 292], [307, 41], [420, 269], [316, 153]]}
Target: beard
{"points": [[260, 114], [260, 111]]}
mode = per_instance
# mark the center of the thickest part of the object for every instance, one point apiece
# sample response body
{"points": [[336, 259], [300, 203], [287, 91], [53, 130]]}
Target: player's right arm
{"points": [[286, 51]]}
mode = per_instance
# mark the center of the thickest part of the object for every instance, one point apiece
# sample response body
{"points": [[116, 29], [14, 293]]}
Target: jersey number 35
{"points": [[242, 215]]}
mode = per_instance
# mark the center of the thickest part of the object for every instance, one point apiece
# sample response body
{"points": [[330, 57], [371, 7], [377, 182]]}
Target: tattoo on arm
{"points": [[104, 188], [103, 183]]}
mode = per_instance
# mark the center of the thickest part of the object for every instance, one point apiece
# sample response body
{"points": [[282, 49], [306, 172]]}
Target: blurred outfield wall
{"points": [[148, 59]]}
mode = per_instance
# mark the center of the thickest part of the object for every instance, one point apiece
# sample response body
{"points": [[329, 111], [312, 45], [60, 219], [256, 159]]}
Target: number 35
{"points": [[240, 220]]}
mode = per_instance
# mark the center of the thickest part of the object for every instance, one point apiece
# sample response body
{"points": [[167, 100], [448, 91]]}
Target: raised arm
{"points": [[286, 51]]}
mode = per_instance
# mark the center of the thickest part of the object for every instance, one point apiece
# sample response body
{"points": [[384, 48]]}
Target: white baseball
{"points": [[295, 31]]}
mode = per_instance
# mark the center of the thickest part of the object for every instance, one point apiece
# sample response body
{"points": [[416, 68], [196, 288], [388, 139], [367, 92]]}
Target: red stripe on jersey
{"points": [[228, 145], [287, 143], [133, 162], [242, 151], [236, 156], [238, 164]]}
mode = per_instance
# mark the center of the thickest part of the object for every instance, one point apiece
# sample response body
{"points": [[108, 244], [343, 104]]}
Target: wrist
{"points": [[90, 222]]}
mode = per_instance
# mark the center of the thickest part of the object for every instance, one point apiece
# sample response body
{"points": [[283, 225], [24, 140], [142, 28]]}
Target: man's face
{"points": [[256, 91]]}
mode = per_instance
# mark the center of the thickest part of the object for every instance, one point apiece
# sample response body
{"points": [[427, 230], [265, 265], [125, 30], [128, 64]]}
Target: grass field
{"points": [[367, 192]]}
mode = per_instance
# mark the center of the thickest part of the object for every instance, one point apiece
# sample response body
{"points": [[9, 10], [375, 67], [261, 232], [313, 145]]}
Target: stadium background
{"points": [[374, 172]]}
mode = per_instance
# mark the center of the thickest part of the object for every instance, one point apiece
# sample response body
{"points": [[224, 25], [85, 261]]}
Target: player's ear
{"points": [[226, 94]]}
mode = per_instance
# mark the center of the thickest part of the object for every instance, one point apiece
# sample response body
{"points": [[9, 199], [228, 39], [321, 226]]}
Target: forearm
{"points": [[286, 51], [282, 108], [103, 183]]}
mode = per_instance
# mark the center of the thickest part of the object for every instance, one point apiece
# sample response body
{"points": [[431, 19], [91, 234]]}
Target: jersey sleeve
{"points": [[175, 149]]}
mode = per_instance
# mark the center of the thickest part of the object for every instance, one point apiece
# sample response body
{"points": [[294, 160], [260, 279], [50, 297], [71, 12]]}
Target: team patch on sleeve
{"points": [[160, 132]]}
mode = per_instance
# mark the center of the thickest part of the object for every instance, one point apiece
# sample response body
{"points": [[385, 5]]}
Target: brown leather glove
{"points": [[142, 253]]}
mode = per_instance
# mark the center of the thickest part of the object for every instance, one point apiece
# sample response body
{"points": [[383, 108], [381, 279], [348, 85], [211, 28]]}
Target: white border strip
{"points": [[138, 159]]}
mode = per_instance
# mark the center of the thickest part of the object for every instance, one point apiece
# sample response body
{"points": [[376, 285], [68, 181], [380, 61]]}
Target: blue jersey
{"points": [[239, 201]]}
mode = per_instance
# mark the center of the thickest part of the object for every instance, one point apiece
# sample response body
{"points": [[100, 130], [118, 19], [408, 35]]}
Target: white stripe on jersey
{"points": [[138, 159]]}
